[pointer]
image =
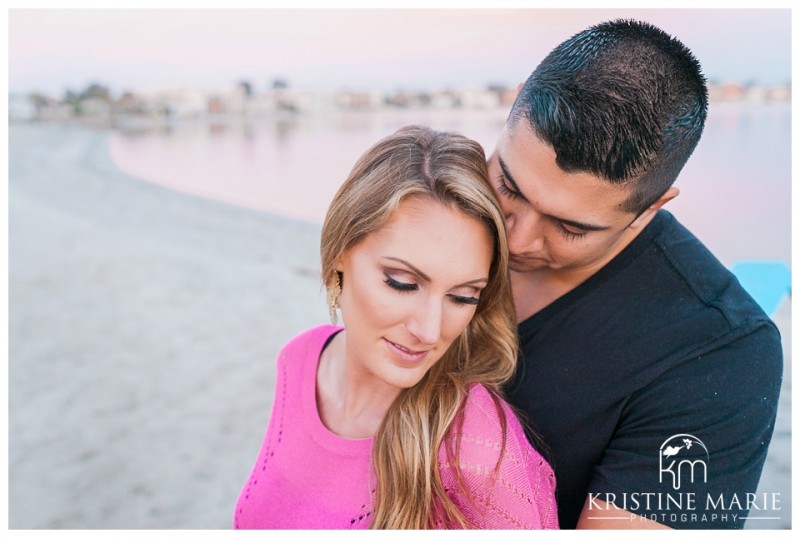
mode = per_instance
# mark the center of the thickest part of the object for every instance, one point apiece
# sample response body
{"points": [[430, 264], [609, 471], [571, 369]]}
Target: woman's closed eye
{"points": [[464, 300], [402, 286], [399, 285]]}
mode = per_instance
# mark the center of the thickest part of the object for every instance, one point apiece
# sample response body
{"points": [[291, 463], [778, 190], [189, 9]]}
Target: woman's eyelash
{"points": [[503, 189], [405, 287], [400, 286], [460, 299]]}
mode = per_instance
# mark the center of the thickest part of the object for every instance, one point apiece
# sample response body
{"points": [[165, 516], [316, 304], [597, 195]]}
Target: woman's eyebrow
{"points": [[426, 278]]}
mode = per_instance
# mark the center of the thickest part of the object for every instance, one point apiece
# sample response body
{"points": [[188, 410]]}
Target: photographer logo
{"points": [[682, 457]]}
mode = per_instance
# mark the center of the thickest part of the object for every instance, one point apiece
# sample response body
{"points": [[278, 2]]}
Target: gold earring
{"points": [[333, 299]]}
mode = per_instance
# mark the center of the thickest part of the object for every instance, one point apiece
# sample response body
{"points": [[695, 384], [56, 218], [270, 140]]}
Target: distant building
{"points": [[56, 111], [443, 99], [129, 103], [95, 107], [157, 108], [508, 96], [478, 98], [405, 99], [358, 100], [779, 93], [725, 92], [176, 103], [21, 107]]}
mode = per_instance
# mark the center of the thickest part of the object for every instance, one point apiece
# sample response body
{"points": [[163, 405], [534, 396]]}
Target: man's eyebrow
{"points": [[581, 225], [573, 223]]}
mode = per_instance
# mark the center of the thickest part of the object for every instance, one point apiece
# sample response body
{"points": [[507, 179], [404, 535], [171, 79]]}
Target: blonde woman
{"points": [[396, 421]]}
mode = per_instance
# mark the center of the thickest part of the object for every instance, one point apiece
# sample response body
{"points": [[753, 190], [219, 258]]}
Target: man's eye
{"points": [[568, 233], [505, 190]]}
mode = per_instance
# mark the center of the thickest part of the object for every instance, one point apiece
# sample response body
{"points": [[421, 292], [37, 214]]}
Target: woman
{"points": [[396, 420]]}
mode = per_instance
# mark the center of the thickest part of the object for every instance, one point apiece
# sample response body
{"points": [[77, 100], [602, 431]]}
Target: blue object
{"points": [[767, 282]]}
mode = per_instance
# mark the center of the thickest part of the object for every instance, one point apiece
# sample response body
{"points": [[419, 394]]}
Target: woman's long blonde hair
{"points": [[451, 169]]}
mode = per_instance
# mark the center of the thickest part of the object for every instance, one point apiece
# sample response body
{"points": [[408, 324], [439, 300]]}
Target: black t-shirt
{"points": [[653, 385]]}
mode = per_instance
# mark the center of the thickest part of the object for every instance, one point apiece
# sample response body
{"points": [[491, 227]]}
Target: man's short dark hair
{"points": [[621, 100]]}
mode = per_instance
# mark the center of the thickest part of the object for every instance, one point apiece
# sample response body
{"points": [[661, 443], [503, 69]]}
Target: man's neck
{"points": [[536, 290]]}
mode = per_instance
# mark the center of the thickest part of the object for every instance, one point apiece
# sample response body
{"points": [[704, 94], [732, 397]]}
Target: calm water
{"points": [[735, 189]]}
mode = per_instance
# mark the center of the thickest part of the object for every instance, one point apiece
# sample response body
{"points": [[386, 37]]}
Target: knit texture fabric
{"points": [[307, 477]]}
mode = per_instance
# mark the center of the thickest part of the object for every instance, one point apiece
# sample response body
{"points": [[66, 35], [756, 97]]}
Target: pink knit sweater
{"points": [[307, 477]]}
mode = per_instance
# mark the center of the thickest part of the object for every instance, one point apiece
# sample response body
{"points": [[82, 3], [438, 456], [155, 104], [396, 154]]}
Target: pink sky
{"points": [[51, 50]]}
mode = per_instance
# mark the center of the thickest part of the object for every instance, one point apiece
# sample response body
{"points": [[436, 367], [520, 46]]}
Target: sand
{"points": [[143, 330], [143, 327]]}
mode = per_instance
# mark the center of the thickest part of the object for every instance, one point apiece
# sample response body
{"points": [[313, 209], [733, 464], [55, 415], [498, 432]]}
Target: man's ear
{"points": [[648, 213], [519, 86]]}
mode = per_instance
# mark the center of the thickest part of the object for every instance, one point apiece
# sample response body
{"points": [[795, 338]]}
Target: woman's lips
{"points": [[405, 353]]}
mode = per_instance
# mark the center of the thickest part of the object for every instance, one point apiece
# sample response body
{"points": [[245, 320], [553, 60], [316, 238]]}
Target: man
{"points": [[651, 377]]}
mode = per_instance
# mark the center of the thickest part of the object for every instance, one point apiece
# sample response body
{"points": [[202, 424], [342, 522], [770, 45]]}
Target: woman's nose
{"points": [[426, 322]]}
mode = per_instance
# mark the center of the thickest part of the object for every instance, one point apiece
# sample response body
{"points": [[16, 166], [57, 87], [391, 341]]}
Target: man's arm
{"points": [[692, 443]]}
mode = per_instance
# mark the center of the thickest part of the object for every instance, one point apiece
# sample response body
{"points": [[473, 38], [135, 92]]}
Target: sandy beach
{"points": [[143, 329]]}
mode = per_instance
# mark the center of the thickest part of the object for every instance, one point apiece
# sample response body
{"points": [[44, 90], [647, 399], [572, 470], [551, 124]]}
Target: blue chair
{"points": [[767, 281]]}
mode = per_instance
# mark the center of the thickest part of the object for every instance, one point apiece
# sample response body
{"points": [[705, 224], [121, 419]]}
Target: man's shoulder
{"points": [[670, 269], [686, 255], [704, 276], [663, 301]]}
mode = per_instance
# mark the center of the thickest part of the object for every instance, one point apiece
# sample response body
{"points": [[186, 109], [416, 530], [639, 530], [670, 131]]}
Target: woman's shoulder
{"points": [[513, 484], [309, 340], [490, 422], [486, 413]]}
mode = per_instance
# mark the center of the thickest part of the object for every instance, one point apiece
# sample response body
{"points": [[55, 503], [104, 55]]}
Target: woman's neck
{"points": [[351, 401]]}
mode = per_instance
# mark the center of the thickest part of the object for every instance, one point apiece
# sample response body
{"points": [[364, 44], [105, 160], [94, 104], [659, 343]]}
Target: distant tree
{"points": [[279, 84], [246, 87], [73, 99], [496, 87], [38, 99], [96, 91]]}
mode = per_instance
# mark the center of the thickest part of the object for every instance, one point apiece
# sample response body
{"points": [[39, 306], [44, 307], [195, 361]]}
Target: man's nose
{"points": [[525, 232]]}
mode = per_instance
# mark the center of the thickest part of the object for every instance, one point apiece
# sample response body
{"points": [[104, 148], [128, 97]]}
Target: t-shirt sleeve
{"points": [[517, 494], [690, 447]]}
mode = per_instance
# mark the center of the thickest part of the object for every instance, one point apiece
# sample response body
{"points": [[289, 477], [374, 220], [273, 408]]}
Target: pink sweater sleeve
{"points": [[520, 493]]}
